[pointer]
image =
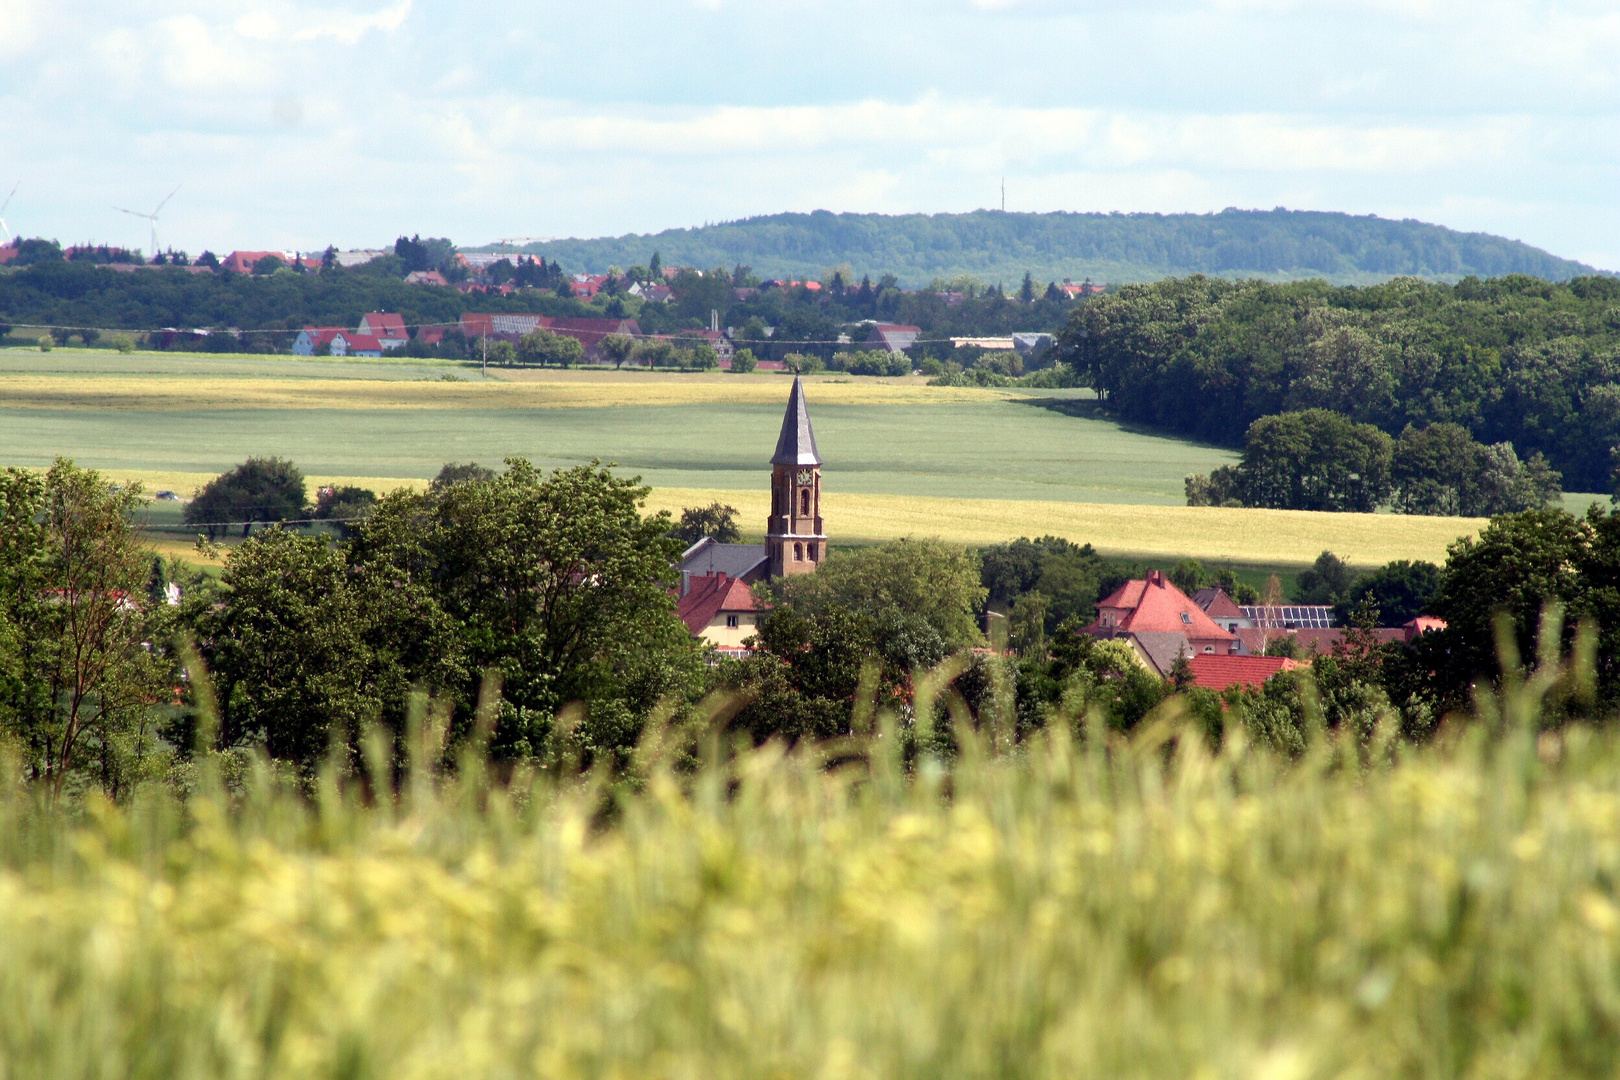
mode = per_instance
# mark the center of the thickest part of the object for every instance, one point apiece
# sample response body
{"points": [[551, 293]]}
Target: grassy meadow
{"points": [[903, 458], [1091, 908]]}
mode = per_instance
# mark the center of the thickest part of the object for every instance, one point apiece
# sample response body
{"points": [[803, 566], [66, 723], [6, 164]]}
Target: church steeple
{"points": [[797, 443], [794, 540]]}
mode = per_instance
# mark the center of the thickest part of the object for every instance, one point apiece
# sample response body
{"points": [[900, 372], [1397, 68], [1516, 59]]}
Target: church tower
{"points": [[794, 540]]}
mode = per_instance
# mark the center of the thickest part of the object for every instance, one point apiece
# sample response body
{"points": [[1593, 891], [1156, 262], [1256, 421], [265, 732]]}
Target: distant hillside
{"points": [[995, 246]]}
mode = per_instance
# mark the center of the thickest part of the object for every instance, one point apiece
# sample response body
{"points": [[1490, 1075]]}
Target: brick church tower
{"points": [[794, 540]]}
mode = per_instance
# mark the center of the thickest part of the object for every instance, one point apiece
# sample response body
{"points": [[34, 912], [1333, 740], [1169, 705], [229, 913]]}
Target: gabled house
{"points": [[723, 349], [1161, 623], [590, 332], [347, 343], [708, 557], [720, 610], [502, 326], [387, 327], [311, 340], [243, 262], [894, 337], [425, 277]]}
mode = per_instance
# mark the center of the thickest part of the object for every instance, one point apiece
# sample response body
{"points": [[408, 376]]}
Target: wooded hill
{"points": [[995, 246]]}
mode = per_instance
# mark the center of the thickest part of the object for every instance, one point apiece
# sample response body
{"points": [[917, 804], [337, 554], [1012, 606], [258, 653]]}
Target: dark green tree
{"points": [[259, 489], [83, 653], [1314, 460], [716, 520]]}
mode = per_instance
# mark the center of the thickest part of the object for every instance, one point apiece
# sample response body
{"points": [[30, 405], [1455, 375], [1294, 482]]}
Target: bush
{"points": [[46, 343], [124, 343], [743, 361]]}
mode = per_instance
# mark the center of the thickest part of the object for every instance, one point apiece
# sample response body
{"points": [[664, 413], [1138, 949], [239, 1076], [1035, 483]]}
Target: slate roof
{"points": [[710, 596], [1217, 605], [733, 560], [797, 443], [1163, 648]]}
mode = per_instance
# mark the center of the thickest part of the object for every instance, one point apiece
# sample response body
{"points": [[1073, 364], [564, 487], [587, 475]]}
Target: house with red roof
{"points": [[348, 343], [502, 326], [590, 332], [1161, 623], [387, 327], [1311, 627], [311, 340], [243, 262], [720, 610]]}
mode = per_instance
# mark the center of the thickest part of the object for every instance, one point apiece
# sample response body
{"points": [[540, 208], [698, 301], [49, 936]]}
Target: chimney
{"points": [[1156, 577]]}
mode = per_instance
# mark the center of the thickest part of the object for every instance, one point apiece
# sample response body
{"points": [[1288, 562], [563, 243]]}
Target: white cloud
{"points": [[347, 28]]}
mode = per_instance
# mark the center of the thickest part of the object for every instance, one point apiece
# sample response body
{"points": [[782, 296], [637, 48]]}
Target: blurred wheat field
{"points": [[1052, 914]]}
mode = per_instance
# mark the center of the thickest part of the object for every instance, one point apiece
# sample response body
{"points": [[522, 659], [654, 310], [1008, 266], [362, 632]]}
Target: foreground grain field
{"points": [[1131, 913]]}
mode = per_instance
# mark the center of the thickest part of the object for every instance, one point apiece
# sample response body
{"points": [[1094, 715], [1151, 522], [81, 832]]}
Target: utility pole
{"points": [[484, 338], [1003, 194]]}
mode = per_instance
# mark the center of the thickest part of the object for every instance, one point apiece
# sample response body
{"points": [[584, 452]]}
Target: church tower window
{"points": [[798, 553]]}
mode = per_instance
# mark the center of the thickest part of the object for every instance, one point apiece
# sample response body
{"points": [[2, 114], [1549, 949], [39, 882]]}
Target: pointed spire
{"points": [[797, 443]]}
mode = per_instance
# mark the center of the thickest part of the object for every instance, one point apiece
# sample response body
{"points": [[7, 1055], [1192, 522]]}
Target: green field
{"points": [[970, 445], [902, 458]]}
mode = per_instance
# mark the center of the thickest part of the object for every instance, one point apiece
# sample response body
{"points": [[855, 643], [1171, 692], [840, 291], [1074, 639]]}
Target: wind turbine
{"points": [[3, 206], [152, 217]]}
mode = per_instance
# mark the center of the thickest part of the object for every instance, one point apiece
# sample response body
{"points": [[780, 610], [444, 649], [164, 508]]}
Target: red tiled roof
{"points": [[711, 595], [1421, 625], [384, 324], [1224, 672], [361, 342], [242, 262], [1154, 605]]}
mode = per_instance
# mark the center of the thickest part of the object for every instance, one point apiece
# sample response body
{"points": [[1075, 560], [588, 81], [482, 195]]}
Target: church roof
{"points": [[797, 443], [707, 556]]}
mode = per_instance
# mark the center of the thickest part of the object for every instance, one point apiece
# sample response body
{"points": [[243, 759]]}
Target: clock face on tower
{"points": [[806, 477]]}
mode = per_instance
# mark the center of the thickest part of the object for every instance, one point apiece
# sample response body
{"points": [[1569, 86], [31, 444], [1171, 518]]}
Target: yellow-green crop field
{"points": [[902, 458], [1134, 914]]}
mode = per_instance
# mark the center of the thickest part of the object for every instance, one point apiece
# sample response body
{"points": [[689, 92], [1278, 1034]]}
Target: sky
{"points": [[291, 125]]}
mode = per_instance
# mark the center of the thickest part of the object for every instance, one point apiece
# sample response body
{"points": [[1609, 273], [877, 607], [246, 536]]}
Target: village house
{"points": [[320, 341], [1161, 623], [425, 277], [243, 262], [1310, 627], [721, 610], [388, 328]]}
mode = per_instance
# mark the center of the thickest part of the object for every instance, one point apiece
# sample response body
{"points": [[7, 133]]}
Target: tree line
{"points": [[1521, 361], [537, 612]]}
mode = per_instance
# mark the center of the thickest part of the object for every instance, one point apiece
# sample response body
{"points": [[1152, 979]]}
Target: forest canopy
{"points": [[1517, 360]]}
